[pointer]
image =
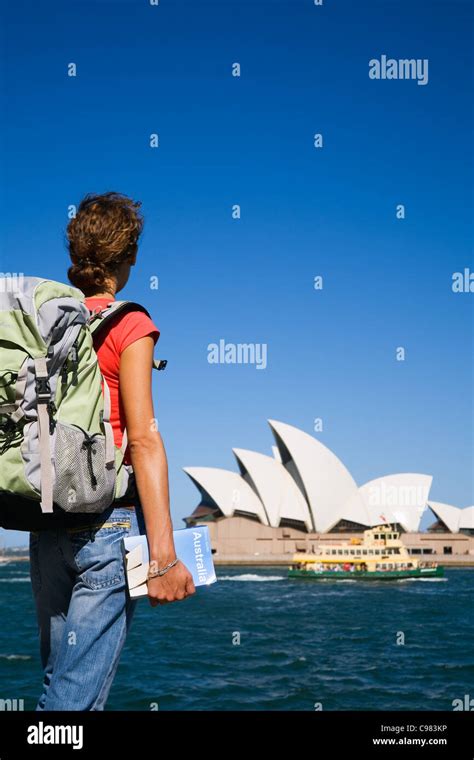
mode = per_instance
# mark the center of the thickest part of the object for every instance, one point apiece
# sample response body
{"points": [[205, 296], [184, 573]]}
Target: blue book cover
{"points": [[193, 548]]}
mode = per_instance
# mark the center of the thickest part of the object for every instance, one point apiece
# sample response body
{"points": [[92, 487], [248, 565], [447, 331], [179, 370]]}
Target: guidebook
{"points": [[193, 548]]}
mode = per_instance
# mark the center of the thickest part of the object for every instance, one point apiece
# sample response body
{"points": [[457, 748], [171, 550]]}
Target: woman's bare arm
{"points": [[148, 457]]}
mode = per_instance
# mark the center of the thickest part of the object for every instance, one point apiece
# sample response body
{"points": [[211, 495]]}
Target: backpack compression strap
{"points": [[43, 398]]}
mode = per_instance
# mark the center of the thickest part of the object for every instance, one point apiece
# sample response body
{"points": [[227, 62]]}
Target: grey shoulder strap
{"points": [[100, 321]]}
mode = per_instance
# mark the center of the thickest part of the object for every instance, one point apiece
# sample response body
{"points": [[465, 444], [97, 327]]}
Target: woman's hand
{"points": [[176, 584]]}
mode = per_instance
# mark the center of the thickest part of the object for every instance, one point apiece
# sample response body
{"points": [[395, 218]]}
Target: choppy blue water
{"points": [[301, 643]]}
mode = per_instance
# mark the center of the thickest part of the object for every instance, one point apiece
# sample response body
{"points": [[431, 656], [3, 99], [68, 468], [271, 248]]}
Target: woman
{"points": [[77, 571]]}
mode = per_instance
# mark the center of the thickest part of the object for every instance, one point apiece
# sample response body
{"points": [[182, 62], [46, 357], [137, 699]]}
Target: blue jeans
{"points": [[83, 607]]}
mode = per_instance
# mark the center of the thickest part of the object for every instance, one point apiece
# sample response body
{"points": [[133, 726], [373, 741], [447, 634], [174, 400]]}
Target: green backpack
{"points": [[57, 448]]}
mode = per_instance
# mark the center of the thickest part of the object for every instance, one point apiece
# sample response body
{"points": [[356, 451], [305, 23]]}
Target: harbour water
{"points": [[256, 640]]}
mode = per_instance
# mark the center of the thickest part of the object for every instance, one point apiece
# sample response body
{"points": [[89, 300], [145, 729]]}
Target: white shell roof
{"points": [[278, 491], [466, 518], [356, 511], [399, 498], [327, 482], [228, 489], [454, 518]]}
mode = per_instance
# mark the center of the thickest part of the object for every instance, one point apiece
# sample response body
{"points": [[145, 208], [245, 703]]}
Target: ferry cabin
{"points": [[384, 554], [380, 549]]}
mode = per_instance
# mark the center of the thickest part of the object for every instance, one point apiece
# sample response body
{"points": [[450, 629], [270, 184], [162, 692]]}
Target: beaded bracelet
{"points": [[157, 573]]}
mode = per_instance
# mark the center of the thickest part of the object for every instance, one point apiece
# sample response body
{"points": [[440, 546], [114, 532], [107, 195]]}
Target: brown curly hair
{"points": [[103, 234]]}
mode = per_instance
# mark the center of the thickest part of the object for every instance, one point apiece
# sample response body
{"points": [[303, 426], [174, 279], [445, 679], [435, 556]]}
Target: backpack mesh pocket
{"points": [[83, 483]]}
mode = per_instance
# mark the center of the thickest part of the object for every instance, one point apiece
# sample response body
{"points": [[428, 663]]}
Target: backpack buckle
{"points": [[97, 313], [43, 390]]}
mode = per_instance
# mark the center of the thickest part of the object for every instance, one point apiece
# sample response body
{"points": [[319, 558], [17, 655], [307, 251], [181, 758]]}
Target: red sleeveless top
{"points": [[124, 330]]}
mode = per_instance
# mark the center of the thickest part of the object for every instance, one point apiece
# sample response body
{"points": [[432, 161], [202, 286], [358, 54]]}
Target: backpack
{"points": [[57, 450]]}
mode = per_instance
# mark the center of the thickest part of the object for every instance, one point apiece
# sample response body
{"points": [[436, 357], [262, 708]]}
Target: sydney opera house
{"points": [[303, 495]]}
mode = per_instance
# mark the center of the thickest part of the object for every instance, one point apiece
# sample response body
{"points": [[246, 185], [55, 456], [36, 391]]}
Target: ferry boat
{"points": [[379, 556]]}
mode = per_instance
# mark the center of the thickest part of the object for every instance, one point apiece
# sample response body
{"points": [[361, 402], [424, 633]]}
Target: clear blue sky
{"points": [[305, 212]]}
